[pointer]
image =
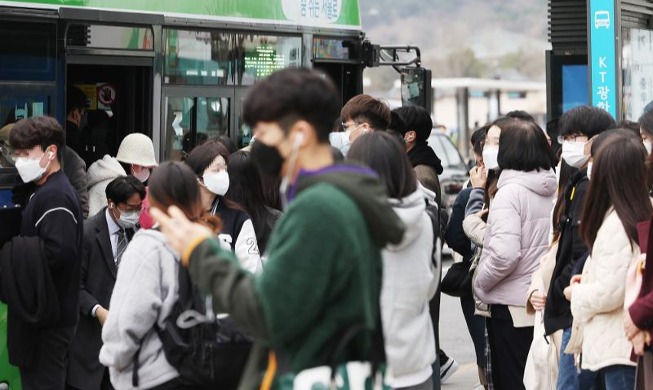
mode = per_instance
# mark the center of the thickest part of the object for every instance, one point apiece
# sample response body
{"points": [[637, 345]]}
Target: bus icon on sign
{"points": [[602, 19]]}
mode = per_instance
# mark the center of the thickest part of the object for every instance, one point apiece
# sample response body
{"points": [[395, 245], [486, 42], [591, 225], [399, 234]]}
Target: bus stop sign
{"points": [[602, 28]]}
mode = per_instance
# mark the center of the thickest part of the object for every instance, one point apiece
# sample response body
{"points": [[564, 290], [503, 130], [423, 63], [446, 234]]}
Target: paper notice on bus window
{"points": [[90, 90], [37, 109]]}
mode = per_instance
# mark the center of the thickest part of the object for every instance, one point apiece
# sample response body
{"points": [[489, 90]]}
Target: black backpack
{"points": [[209, 353]]}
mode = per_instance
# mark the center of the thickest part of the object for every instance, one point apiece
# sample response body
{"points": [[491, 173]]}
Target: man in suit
{"points": [[105, 238]]}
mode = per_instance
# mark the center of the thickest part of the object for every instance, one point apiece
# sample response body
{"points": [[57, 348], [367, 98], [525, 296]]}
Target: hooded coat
{"points": [[517, 236], [100, 174]]}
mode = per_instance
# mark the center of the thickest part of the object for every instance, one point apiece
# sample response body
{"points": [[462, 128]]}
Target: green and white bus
{"points": [[175, 70]]}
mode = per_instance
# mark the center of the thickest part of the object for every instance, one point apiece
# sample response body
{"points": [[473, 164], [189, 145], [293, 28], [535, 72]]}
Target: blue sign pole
{"points": [[603, 64]]}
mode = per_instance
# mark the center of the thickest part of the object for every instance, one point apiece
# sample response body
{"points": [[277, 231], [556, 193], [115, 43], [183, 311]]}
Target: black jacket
{"points": [[557, 313], [53, 214], [455, 236], [98, 276], [26, 286]]}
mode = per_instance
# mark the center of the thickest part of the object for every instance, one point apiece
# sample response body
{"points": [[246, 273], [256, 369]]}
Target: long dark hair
{"points": [[174, 184], [245, 188], [618, 180], [384, 154]]}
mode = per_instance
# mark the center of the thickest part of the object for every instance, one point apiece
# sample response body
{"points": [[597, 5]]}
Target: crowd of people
{"points": [[315, 247]]}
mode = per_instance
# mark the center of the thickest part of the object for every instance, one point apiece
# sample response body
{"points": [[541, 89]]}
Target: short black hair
{"points": [[418, 120], [75, 99], [365, 108], [521, 115], [120, 189], [40, 130], [227, 142], [524, 147], [294, 92], [632, 126], [586, 120], [397, 123]]}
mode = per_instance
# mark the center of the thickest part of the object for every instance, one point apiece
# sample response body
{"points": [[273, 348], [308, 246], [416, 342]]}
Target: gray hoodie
{"points": [[409, 282], [144, 293]]}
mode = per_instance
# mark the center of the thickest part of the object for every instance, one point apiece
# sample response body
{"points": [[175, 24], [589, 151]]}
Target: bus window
{"points": [[198, 57], [15, 108], [264, 54], [27, 51], [193, 120]]}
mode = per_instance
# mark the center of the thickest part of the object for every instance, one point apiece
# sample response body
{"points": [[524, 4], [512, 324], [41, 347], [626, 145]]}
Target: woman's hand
{"points": [[629, 326], [482, 214], [179, 230], [538, 300], [640, 341], [569, 289], [478, 177]]}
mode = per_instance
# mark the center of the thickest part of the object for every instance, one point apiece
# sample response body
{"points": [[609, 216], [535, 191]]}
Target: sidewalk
{"points": [[465, 378]]}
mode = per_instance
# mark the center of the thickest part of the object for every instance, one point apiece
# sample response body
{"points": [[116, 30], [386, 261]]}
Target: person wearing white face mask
{"points": [[576, 127], [41, 266], [106, 236], [136, 155], [209, 162]]}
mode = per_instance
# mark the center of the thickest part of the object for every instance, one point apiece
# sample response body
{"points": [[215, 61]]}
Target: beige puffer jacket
{"points": [[597, 302]]}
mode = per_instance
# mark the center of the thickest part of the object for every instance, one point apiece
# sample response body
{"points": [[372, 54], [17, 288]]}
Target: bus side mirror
{"points": [[416, 88]]}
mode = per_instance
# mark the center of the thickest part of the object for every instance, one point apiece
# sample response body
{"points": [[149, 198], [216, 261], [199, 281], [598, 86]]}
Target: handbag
{"points": [[457, 282], [351, 375]]}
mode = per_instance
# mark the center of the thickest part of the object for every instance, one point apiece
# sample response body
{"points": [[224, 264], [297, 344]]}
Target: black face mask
{"points": [[267, 159]]}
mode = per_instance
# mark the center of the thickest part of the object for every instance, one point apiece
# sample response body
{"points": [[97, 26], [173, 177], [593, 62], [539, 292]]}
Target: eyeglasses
{"points": [[572, 138], [130, 207], [346, 126]]}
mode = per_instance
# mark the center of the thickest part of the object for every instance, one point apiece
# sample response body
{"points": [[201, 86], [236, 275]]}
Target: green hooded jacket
{"points": [[323, 273]]}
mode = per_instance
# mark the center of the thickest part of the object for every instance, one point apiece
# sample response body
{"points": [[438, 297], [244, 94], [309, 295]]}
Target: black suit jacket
{"points": [[98, 275]]}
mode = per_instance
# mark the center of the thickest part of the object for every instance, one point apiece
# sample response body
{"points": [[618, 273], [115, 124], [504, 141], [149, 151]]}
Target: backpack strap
{"points": [[135, 380], [437, 229]]}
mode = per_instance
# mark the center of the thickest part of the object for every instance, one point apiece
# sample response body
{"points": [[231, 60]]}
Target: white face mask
{"points": [[30, 169], [649, 147], [217, 182], [491, 158], [574, 153], [129, 219], [589, 171], [142, 175]]}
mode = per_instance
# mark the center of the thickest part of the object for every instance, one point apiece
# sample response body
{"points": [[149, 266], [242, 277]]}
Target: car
{"points": [[455, 173]]}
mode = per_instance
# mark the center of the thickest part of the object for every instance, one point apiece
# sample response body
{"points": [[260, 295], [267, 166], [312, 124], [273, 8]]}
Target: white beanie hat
{"points": [[137, 148]]}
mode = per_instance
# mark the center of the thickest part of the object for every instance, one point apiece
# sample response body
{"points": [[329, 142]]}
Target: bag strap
{"points": [[435, 221], [377, 351], [135, 379]]}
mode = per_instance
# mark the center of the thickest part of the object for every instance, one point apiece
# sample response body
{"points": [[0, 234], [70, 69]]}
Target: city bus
{"points": [[175, 70]]}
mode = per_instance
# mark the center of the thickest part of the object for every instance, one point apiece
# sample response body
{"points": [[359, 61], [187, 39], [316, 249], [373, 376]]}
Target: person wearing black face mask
{"points": [[323, 273]]}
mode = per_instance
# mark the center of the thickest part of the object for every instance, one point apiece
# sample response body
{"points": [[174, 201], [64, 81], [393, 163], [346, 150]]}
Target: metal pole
{"points": [[462, 103]]}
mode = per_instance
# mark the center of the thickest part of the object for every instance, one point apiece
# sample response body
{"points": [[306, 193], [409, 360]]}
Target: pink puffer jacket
{"points": [[517, 236]]}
